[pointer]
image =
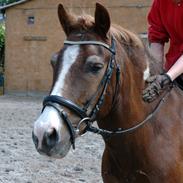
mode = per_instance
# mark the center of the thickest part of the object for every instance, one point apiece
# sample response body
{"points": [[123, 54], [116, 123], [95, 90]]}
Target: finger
{"points": [[149, 99], [151, 79], [148, 90], [149, 96]]}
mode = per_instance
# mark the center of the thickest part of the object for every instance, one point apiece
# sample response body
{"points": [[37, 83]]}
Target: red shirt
{"points": [[166, 23]]}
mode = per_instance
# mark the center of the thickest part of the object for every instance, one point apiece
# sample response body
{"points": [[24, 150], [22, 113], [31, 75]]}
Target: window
{"points": [[31, 20]]}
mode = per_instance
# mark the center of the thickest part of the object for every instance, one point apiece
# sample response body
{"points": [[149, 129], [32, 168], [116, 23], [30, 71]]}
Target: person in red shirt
{"points": [[165, 24]]}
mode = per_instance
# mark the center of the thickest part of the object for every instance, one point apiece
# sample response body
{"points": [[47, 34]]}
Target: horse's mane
{"points": [[129, 40]]}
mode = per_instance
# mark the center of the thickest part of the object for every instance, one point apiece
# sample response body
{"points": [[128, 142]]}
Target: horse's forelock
{"points": [[85, 21], [82, 22]]}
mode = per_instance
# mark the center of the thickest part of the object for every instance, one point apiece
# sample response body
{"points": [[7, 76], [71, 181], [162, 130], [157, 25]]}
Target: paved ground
{"points": [[19, 161]]}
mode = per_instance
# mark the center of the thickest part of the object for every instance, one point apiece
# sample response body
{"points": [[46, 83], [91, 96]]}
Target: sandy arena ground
{"points": [[19, 161]]}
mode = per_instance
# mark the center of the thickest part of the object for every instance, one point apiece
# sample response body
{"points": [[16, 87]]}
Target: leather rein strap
{"points": [[107, 133]]}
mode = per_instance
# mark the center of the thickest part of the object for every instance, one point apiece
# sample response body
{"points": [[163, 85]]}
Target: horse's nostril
{"points": [[35, 139], [50, 138]]}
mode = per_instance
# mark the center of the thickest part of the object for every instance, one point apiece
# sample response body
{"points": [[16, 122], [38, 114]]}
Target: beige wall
{"points": [[27, 67]]}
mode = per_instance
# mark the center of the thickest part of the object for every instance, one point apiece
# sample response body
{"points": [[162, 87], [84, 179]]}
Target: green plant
{"points": [[2, 36], [4, 2]]}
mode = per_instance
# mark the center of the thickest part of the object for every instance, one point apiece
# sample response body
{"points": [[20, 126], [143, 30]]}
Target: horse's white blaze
{"points": [[50, 117], [69, 58], [146, 73]]}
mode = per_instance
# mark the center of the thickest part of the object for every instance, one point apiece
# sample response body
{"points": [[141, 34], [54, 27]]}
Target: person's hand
{"points": [[156, 85]]}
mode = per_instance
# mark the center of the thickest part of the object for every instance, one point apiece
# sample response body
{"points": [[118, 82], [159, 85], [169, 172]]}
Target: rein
{"points": [[120, 131], [57, 101]]}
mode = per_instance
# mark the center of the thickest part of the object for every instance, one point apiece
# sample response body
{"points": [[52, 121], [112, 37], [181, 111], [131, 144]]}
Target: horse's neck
{"points": [[130, 108], [133, 83], [129, 111]]}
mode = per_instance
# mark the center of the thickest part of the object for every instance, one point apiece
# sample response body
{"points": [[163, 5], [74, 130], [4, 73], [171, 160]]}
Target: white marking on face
{"points": [[69, 58], [50, 117], [146, 73]]}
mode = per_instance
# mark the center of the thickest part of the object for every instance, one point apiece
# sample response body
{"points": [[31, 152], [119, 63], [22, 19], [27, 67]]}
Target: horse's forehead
{"points": [[73, 52], [92, 48], [69, 58]]}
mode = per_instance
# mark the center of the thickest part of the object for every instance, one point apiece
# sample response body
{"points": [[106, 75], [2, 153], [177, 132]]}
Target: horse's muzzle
{"points": [[49, 141]]}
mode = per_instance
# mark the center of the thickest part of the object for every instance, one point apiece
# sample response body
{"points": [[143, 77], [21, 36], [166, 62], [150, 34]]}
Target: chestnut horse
{"points": [[99, 75]]}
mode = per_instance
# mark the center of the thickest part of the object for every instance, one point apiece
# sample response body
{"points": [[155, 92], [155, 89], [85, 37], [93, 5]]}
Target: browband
{"points": [[110, 48]]}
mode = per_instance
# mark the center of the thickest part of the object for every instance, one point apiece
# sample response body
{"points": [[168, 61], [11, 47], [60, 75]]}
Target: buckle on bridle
{"points": [[85, 121]]}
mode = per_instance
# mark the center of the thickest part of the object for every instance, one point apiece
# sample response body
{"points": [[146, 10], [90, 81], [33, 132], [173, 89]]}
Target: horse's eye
{"points": [[96, 67]]}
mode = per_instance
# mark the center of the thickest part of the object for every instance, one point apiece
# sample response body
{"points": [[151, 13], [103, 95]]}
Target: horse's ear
{"points": [[65, 19], [102, 20]]}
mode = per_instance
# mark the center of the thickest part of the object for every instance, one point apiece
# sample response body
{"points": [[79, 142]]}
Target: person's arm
{"points": [[157, 51], [177, 69], [157, 34]]}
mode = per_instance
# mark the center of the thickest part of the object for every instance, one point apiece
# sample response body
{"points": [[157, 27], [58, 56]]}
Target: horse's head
{"points": [[82, 70]]}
